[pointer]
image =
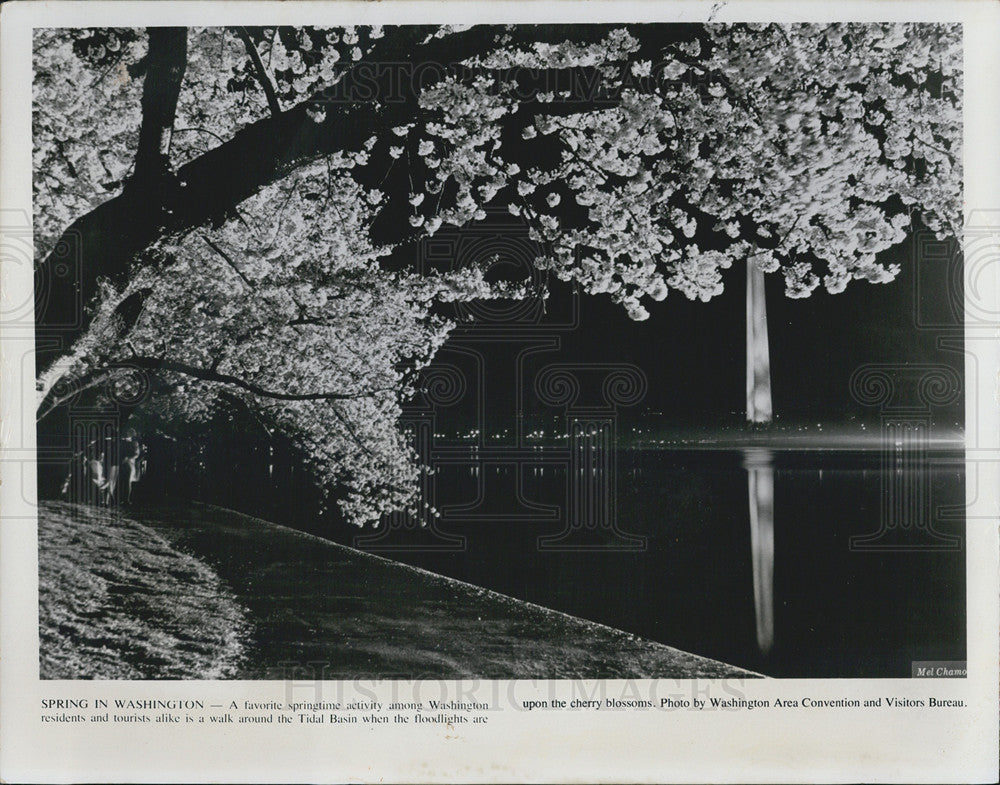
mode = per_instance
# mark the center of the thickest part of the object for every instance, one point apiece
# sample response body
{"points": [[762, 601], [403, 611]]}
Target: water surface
{"points": [[794, 563]]}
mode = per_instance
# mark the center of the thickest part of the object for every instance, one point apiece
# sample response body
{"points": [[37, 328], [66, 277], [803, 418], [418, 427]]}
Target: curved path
{"points": [[315, 608]]}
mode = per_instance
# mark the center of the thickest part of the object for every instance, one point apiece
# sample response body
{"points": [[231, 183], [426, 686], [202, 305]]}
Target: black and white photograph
{"points": [[583, 351], [641, 343]]}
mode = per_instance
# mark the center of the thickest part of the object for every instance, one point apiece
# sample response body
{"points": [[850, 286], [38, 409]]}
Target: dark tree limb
{"points": [[105, 242], [108, 371], [229, 261], [261, 72], [350, 430], [165, 64], [209, 375]]}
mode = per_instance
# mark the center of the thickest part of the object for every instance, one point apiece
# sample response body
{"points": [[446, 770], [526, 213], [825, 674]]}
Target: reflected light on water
{"points": [[759, 464]]}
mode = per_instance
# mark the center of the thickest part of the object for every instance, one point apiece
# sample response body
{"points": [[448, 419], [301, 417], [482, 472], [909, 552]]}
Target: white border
{"points": [[815, 745]]}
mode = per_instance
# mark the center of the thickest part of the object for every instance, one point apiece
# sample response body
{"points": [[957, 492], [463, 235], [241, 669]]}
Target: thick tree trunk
{"points": [[166, 62], [104, 243]]}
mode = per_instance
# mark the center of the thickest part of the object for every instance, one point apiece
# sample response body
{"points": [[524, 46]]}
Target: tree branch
{"points": [[106, 372], [166, 62], [209, 375], [947, 153], [229, 260], [350, 430], [104, 242], [262, 78]]}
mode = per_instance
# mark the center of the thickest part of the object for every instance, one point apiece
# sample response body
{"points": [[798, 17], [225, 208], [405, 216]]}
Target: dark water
{"points": [[791, 563]]}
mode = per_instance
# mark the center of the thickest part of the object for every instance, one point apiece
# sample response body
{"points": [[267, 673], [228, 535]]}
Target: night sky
{"points": [[693, 353]]}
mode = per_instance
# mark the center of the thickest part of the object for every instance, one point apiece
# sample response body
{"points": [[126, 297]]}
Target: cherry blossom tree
{"points": [[236, 211]]}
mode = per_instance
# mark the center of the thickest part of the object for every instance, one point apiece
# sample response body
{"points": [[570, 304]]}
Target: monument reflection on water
{"points": [[784, 561], [759, 463]]}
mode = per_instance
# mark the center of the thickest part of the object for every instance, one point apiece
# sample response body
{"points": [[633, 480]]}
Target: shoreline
{"points": [[309, 600]]}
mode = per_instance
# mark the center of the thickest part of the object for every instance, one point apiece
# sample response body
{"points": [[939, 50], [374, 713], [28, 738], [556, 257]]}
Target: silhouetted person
{"points": [[132, 464], [95, 481]]}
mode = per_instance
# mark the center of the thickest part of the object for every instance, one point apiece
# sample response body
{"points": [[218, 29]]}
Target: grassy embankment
{"points": [[200, 592]]}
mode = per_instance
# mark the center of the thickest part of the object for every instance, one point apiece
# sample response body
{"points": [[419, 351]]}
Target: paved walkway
{"points": [[320, 606]]}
